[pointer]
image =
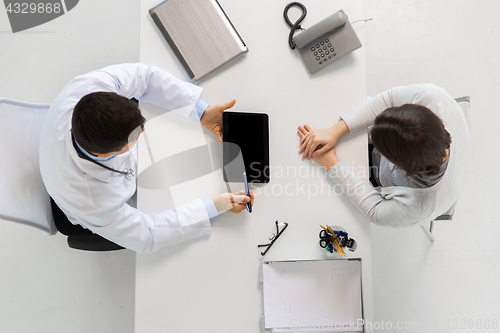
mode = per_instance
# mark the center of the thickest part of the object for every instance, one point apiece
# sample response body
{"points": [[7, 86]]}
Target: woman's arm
{"points": [[400, 207]]}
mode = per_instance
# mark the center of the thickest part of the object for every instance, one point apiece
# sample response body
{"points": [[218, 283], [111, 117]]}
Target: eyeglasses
{"points": [[274, 237]]}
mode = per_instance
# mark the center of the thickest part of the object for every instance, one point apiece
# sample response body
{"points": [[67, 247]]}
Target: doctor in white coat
{"points": [[91, 186]]}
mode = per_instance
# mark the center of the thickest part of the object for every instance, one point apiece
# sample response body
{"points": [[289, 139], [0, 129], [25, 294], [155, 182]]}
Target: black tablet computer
{"points": [[246, 135]]}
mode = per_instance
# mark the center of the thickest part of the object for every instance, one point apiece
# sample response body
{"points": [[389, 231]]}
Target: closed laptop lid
{"points": [[199, 33]]}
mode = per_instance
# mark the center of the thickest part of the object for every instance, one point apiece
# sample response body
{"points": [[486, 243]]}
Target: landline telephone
{"points": [[324, 42]]}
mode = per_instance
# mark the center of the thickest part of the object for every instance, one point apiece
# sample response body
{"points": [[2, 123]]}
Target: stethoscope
{"points": [[129, 173]]}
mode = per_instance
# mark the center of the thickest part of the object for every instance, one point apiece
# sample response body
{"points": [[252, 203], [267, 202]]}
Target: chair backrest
{"points": [[464, 103], [23, 197]]}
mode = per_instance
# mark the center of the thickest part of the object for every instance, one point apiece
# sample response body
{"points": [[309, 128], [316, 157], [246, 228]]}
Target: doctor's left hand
{"points": [[212, 117]]}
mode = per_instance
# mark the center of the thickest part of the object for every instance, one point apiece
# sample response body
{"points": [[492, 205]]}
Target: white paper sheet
{"points": [[313, 296]]}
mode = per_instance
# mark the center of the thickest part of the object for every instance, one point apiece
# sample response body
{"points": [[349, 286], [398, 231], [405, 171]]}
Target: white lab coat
{"points": [[95, 197]]}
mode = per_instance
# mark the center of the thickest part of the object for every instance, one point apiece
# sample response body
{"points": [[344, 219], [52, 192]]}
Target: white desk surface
{"points": [[212, 284]]}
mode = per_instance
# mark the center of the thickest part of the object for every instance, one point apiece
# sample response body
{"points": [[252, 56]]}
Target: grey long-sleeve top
{"points": [[398, 206]]}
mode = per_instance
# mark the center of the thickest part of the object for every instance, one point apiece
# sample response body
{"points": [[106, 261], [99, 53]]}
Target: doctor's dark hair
{"points": [[412, 137], [103, 121]]}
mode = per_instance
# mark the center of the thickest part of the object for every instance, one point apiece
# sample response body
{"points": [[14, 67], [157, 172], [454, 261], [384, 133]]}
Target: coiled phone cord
{"points": [[295, 25]]}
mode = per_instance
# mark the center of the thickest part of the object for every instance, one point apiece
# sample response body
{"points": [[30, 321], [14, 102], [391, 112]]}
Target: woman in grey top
{"points": [[421, 142]]}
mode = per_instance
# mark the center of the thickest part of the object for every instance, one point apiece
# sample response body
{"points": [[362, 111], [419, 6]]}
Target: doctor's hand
{"points": [[212, 117], [319, 141], [327, 159], [232, 202]]}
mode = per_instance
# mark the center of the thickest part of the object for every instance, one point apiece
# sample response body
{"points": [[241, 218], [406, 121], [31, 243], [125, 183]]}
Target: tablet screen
{"points": [[246, 135]]}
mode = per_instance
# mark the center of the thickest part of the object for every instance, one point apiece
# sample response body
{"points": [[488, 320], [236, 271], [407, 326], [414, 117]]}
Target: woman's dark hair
{"points": [[103, 121], [412, 137]]}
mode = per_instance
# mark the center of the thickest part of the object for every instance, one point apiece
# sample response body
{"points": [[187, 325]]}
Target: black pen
{"points": [[247, 190]]}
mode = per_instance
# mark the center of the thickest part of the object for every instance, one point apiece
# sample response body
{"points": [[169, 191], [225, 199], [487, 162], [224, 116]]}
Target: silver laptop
{"points": [[200, 34]]}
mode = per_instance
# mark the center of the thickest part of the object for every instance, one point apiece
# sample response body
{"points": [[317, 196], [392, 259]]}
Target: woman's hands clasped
{"points": [[320, 144], [315, 142], [319, 141]]}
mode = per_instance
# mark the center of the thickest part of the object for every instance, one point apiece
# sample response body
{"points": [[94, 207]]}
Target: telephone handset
{"points": [[324, 42]]}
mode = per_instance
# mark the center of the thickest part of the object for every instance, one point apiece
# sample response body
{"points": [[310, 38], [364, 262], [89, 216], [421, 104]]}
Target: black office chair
{"points": [[78, 237]]}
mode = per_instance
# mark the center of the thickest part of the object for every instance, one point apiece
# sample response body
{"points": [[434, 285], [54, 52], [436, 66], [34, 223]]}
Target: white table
{"points": [[211, 284]]}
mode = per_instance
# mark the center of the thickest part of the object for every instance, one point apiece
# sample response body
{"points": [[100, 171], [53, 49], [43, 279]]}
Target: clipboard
{"points": [[313, 296]]}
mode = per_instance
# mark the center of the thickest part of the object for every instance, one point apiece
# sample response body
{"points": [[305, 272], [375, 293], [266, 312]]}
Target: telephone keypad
{"points": [[323, 51]]}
